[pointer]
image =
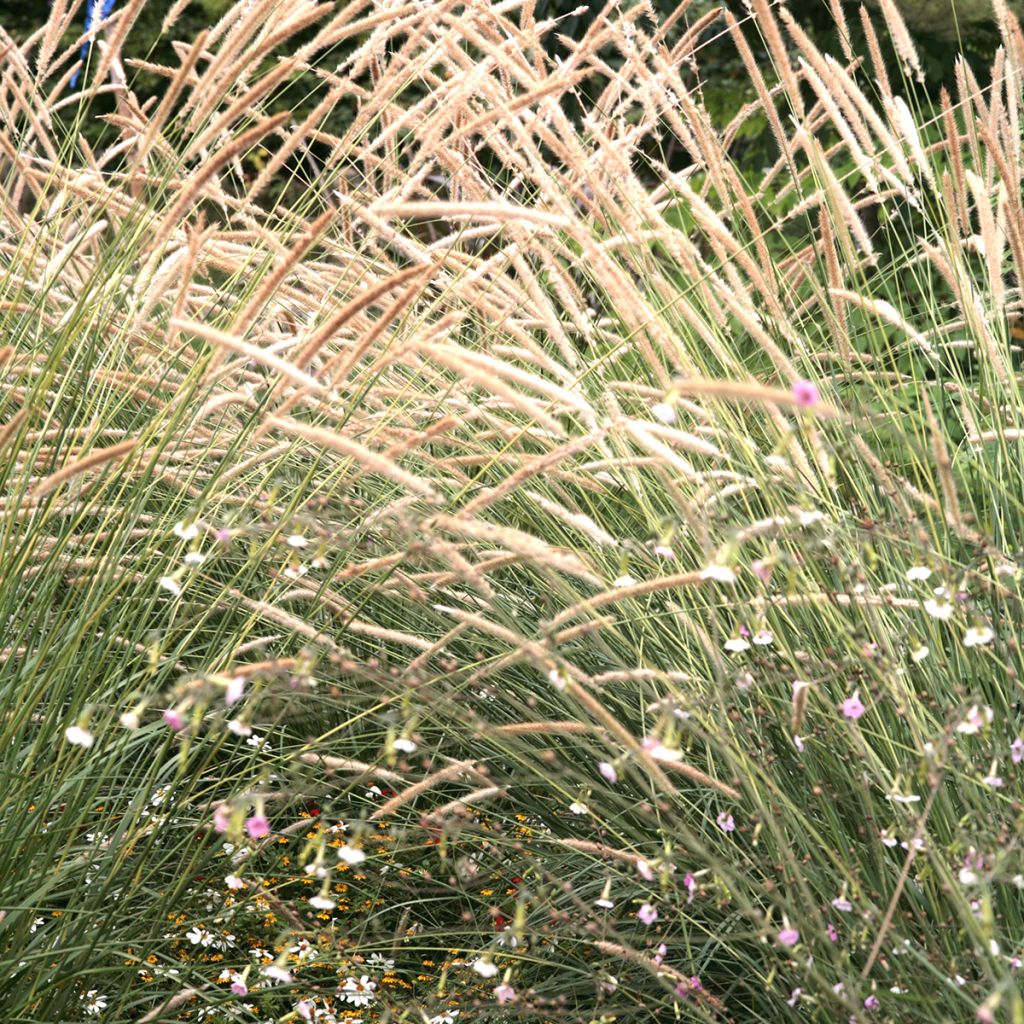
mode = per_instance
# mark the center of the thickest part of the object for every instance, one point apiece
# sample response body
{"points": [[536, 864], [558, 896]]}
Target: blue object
{"points": [[95, 12]]}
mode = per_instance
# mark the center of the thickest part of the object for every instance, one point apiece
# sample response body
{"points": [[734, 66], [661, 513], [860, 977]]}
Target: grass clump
{"points": [[511, 576]]}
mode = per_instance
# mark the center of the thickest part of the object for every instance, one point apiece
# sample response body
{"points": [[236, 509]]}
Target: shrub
{"points": [[509, 577]]}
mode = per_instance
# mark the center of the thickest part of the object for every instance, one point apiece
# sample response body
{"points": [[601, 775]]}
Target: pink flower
{"points": [[872, 1003], [805, 393], [223, 534], [173, 718], [235, 690], [647, 914], [221, 817], [830, 931], [1017, 751], [257, 826], [609, 772], [239, 987], [852, 706], [505, 994], [304, 1008], [762, 569], [789, 936], [726, 822]]}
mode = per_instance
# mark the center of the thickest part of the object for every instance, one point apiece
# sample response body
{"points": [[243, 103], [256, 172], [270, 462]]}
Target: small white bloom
{"points": [[975, 720], [296, 540], [897, 798], [95, 1004], [721, 573], [736, 644], [322, 902], [623, 581], [296, 572], [170, 584], [918, 655], [941, 609], [918, 573], [405, 745], [239, 728], [194, 558], [351, 855], [234, 882], [485, 968], [978, 635], [663, 411], [763, 637], [130, 720], [186, 532], [664, 551], [968, 877], [78, 737], [275, 973], [579, 808]]}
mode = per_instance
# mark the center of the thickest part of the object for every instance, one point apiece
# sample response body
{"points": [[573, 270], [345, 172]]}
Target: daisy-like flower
{"points": [[647, 914], [940, 607], [719, 573], [852, 707], [975, 720], [789, 937], [78, 736], [976, 636], [805, 394], [199, 936], [95, 1004], [351, 855], [186, 531], [485, 968], [380, 962]]}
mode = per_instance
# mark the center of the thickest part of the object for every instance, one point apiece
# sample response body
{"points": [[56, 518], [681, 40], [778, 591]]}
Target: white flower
{"points": [[918, 572], [321, 902], [968, 877], [95, 1004], [975, 720], [199, 936], [920, 654], [170, 584], [130, 720], [234, 882], [186, 532], [978, 635], [350, 855], [358, 993], [896, 798], [721, 573], [485, 968], [405, 745], [763, 637], [194, 558], [380, 962], [623, 581], [255, 740], [663, 411], [662, 753], [296, 572], [275, 973], [807, 518], [664, 551], [78, 737], [579, 808], [736, 644], [447, 1017], [296, 540], [239, 728], [942, 610]]}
